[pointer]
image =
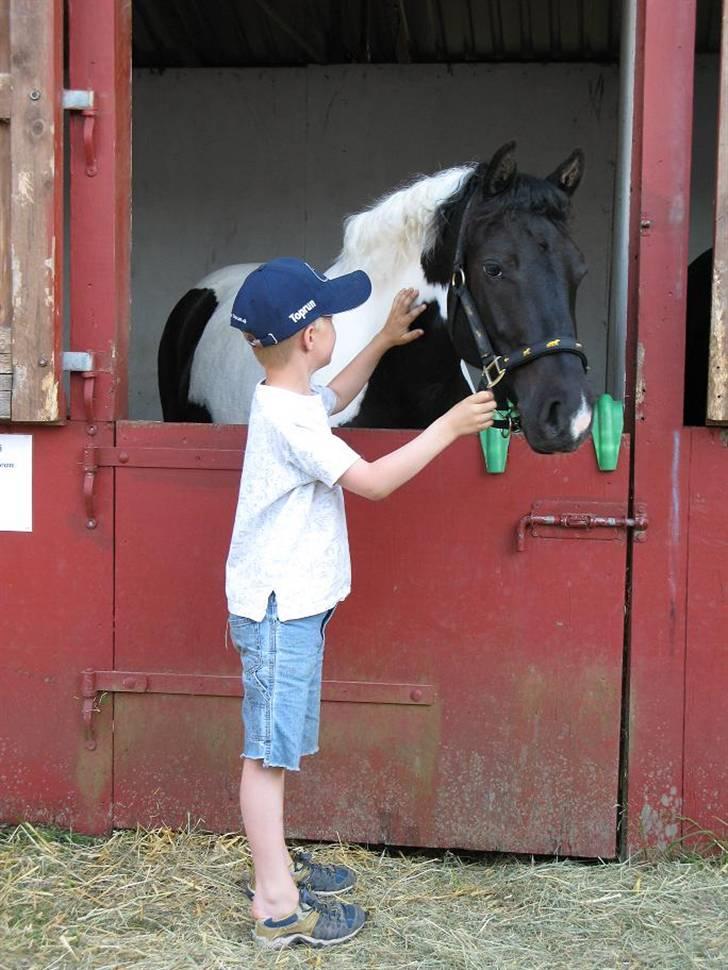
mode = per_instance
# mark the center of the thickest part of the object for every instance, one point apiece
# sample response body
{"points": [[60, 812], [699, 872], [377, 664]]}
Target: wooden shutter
{"points": [[717, 411], [31, 214]]}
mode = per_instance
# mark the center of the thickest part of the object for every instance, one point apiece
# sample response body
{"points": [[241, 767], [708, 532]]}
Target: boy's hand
{"points": [[472, 414], [396, 331]]}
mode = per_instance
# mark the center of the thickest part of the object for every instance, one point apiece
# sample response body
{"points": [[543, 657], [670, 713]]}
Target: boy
{"points": [[288, 565]]}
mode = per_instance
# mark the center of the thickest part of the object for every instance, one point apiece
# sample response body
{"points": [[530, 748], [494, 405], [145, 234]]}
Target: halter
{"points": [[495, 366]]}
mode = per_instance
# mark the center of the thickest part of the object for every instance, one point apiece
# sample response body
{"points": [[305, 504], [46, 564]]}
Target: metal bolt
{"points": [[416, 695], [92, 429], [91, 523], [645, 224], [42, 361], [123, 457], [35, 95]]}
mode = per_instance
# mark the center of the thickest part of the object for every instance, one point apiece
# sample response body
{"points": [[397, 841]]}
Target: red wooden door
{"points": [[473, 691]]}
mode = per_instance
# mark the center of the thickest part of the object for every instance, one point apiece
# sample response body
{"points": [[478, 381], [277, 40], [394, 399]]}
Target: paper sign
{"points": [[16, 483]]}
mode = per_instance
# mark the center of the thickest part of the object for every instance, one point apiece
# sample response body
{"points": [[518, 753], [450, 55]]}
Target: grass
{"points": [[158, 900]]}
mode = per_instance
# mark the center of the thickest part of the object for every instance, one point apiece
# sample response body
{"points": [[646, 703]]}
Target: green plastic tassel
{"points": [[607, 426]]}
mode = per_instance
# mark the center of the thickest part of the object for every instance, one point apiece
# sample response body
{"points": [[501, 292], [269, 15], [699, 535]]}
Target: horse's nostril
{"points": [[552, 415]]}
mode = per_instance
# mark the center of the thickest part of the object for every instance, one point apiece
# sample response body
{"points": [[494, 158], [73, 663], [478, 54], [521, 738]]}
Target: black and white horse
{"points": [[522, 269]]}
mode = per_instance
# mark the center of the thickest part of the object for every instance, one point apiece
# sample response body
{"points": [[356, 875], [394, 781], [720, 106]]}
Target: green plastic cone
{"points": [[494, 442], [607, 425]]}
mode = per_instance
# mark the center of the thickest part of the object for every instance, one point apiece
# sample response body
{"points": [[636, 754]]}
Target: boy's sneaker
{"points": [[323, 880], [314, 921]]}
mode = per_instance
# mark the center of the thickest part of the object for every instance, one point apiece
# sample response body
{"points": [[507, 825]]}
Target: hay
{"points": [[157, 900]]}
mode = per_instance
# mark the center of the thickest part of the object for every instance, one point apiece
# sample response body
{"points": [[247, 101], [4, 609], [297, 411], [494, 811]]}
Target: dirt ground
{"points": [[164, 900]]}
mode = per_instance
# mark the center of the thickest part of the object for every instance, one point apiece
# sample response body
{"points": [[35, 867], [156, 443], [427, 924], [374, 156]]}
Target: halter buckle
{"points": [[500, 371]]}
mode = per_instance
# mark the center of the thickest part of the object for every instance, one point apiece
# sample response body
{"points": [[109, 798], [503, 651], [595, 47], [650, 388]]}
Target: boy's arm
{"points": [[377, 479], [395, 333]]}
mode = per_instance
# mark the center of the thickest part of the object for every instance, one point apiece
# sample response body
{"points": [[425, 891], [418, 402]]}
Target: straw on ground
{"points": [[163, 900]]}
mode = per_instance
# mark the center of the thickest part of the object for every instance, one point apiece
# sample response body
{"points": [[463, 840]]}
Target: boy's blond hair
{"points": [[277, 355]]}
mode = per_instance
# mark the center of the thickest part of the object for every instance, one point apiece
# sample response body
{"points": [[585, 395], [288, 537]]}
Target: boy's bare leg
{"points": [[261, 804]]}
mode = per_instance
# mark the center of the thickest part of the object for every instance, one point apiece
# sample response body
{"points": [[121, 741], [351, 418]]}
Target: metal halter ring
{"points": [[458, 272]]}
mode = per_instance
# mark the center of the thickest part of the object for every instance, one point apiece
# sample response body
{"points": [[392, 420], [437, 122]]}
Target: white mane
{"points": [[397, 228]]}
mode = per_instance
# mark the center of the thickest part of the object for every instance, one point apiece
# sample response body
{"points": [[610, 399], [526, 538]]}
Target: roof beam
{"points": [[315, 54]]}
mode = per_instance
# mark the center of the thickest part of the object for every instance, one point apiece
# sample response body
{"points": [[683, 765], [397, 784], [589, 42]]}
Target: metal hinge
{"points": [[85, 103], [75, 100], [78, 360], [569, 519], [84, 362], [95, 682], [94, 457]]}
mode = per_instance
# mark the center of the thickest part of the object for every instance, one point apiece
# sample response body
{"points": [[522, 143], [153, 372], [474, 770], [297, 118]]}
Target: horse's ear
{"points": [[498, 174], [568, 175]]}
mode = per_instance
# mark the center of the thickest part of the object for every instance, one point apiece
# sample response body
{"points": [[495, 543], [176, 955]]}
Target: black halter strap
{"points": [[495, 366]]}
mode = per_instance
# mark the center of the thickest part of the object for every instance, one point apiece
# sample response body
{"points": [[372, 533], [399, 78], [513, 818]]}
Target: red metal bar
{"points": [[95, 682], [131, 457], [211, 685], [653, 763]]}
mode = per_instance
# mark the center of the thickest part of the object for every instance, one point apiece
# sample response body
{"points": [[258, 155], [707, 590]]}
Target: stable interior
{"points": [[258, 127]]}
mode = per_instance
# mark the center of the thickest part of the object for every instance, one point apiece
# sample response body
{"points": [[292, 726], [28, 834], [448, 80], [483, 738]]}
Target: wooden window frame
{"points": [[31, 210], [717, 408]]}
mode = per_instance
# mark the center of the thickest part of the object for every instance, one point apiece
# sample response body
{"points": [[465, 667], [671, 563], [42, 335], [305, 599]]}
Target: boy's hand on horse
{"points": [[402, 315], [472, 414]]}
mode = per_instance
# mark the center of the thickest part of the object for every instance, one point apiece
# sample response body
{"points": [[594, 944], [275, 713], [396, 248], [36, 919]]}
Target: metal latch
{"points": [[85, 103], [570, 519]]}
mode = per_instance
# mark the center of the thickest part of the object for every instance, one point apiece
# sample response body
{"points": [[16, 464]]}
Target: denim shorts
{"points": [[282, 663]]}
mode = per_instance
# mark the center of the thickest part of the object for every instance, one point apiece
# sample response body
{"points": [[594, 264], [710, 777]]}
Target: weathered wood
{"points": [[717, 410], [36, 131], [6, 373], [5, 91], [6, 366]]}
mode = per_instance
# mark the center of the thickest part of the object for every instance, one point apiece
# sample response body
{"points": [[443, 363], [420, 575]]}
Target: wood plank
{"points": [[6, 366], [717, 410], [5, 91], [36, 133]]}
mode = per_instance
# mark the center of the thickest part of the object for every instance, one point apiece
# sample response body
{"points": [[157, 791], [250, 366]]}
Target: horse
{"points": [[522, 269]]}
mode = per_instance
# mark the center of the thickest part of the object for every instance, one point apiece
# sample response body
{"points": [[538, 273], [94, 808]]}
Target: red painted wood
{"points": [[99, 37], [56, 618], [518, 752], [654, 763], [706, 724]]}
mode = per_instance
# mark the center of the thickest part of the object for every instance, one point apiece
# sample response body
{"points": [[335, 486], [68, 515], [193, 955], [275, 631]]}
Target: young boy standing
{"points": [[288, 564]]}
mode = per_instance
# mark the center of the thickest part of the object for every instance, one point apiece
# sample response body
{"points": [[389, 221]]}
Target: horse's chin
{"points": [[563, 444]]}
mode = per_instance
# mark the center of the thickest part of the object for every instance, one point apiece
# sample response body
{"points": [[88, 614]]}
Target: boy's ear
{"points": [[306, 336]]}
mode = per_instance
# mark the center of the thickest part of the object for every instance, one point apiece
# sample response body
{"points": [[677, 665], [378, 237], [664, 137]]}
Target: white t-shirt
{"points": [[289, 535]]}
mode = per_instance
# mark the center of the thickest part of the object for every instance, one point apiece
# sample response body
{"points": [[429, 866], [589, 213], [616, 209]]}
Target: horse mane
{"points": [[527, 194], [403, 226], [400, 226]]}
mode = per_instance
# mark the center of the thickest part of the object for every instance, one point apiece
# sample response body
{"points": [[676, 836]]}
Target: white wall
{"points": [[238, 165]]}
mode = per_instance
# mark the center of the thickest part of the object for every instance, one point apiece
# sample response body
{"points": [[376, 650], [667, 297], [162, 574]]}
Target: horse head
{"points": [[522, 270]]}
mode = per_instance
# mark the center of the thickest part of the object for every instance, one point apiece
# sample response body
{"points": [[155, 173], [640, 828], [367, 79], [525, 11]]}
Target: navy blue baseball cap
{"points": [[283, 296]]}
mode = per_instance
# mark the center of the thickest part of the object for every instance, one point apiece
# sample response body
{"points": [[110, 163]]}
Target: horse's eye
{"points": [[492, 269]]}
